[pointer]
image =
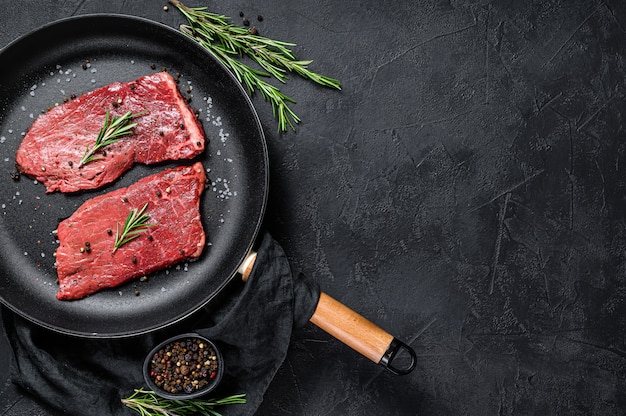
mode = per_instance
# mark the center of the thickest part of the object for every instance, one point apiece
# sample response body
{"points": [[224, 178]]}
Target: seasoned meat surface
{"points": [[55, 143], [86, 259]]}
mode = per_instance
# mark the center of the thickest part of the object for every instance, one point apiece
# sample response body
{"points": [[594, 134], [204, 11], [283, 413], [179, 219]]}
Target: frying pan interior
{"points": [[74, 56]]}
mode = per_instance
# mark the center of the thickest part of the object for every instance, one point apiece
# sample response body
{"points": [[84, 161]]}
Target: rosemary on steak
{"points": [[148, 403], [229, 42], [113, 128], [136, 223]]}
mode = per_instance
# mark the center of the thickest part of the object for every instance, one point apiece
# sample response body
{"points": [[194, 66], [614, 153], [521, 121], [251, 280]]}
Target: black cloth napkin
{"points": [[251, 323]]}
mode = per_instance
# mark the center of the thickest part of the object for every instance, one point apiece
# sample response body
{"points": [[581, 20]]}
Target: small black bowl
{"points": [[176, 375]]}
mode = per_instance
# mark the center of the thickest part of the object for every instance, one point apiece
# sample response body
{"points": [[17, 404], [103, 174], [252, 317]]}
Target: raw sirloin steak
{"points": [[54, 145], [86, 259]]}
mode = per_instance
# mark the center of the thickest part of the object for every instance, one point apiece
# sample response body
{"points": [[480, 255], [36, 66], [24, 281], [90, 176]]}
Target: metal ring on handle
{"points": [[391, 353]]}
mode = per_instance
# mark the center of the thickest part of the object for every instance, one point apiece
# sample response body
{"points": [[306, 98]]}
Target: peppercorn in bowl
{"points": [[183, 367]]}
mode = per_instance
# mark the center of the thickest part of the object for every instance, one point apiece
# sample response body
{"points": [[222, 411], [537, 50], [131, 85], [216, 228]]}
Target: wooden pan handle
{"points": [[361, 335], [246, 266], [352, 329]]}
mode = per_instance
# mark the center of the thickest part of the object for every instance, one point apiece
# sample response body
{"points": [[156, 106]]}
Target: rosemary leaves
{"points": [[228, 43], [113, 128], [135, 224], [147, 403]]}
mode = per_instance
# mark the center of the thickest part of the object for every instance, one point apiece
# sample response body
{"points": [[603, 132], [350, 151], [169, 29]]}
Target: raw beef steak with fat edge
{"points": [[55, 143], [85, 259]]}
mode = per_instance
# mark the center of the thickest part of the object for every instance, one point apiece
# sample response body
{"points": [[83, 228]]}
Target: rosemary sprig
{"points": [[136, 223], [147, 403], [229, 42], [111, 131]]}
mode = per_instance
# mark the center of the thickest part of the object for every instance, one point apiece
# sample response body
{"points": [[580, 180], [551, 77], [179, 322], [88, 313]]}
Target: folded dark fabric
{"points": [[251, 323]]}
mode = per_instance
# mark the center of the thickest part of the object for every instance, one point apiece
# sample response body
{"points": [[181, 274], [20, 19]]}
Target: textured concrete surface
{"points": [[465, 191]]}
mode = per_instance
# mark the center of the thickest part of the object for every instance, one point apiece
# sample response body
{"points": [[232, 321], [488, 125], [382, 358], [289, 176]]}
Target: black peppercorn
{"points": [[175, 370]]}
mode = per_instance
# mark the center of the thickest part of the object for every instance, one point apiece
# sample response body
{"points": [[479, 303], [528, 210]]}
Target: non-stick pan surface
{"points": [[74, 56]]}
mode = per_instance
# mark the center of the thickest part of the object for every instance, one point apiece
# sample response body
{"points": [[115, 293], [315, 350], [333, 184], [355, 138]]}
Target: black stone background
{"points": [[465, 191]]}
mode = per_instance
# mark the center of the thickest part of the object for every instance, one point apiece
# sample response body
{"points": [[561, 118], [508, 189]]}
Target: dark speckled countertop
{"points": [[465, 190]]}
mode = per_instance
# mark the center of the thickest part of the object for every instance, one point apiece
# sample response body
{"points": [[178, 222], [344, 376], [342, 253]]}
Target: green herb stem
{"points": [[136, 223], [113, 128], [229, 43], [148, 403]]}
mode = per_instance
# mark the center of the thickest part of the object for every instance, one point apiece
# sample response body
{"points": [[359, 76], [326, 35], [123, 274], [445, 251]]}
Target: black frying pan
{"points": [[76, 55], [50, 64]]}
